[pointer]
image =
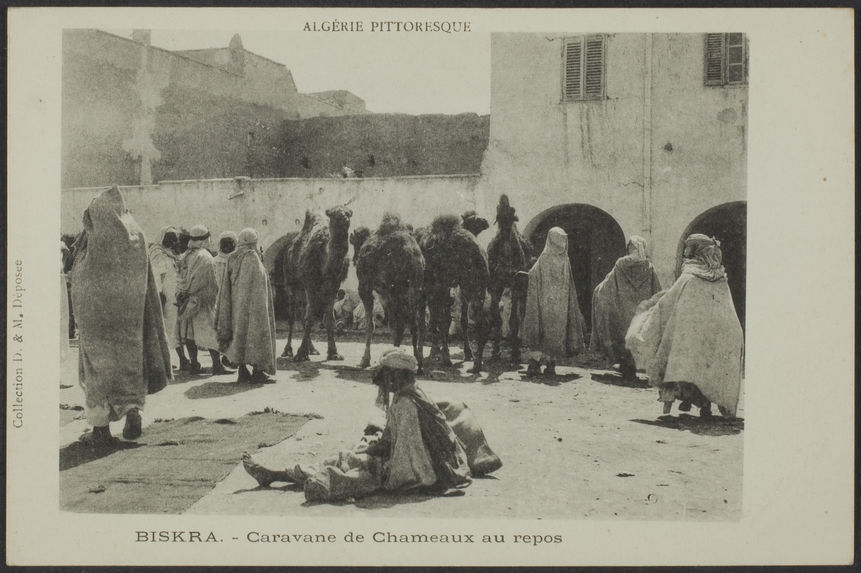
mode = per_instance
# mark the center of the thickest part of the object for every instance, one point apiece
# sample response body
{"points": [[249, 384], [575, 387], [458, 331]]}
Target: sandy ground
{"points": [[577, 446]]}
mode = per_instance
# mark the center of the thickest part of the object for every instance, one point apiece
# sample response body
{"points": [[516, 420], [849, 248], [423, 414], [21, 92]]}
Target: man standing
{"points": [[162, 257], [196, 300], [123, 349], [246, 315]]}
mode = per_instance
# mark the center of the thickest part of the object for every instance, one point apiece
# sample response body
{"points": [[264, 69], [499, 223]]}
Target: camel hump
{"points": [[391, 223], [445, 225]]}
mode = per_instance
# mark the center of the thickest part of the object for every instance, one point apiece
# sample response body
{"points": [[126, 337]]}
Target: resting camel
{"points": [[316, 265], [508, 254], [453, 258], [390, 262]]}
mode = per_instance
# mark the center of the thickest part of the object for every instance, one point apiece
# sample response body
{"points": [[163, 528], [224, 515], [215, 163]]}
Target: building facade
{"points": [[134, 113], [612, 135]]}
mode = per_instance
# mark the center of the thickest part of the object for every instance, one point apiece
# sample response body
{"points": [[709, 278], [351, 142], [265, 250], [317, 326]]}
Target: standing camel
{"points": [[390, 262], [453, 258], [316, 264], [475, 225], [509, 253]]}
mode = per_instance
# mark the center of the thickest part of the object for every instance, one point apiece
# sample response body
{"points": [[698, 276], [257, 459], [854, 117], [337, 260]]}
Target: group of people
{"points": [[687, 338], [133, 302], [222, 304], [125, 294]]}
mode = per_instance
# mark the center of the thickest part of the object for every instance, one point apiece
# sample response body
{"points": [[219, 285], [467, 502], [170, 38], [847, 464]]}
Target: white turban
{"points": [[399, 359], [247, 236]]}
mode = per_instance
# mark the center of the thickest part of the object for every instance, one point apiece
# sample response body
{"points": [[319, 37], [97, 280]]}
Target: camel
{"points": [[509, 259], [316, 265], [475, 225], [390, 262], [454, 258]]}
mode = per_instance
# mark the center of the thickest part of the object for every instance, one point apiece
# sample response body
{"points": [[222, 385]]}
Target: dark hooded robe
{"points": [[245, 318], [123, 348], [614, 301]]}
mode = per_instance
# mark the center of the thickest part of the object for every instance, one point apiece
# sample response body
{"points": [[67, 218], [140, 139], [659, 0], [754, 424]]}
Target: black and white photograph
{"points": [[437, 283]]}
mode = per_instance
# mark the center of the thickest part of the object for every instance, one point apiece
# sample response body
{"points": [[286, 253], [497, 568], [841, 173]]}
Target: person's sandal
{"points": [[99, 437], [132, 429]]}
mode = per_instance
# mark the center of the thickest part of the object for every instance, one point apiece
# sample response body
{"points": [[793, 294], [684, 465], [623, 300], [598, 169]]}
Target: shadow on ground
{"points": [[173, 464], [215, 389], [310, 369], [77, 453], [709, 426], [614, 379]]}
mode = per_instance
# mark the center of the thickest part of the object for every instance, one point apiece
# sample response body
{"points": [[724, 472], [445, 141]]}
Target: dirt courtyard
{"points": [[578, 446]]}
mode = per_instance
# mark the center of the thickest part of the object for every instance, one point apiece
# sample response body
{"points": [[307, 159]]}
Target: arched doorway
{"points": [[273, 258], [728, 224], [595, 241]]}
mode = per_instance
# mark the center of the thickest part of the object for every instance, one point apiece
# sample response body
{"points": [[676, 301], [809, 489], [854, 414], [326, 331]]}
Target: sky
{"points": [[410, 73]]}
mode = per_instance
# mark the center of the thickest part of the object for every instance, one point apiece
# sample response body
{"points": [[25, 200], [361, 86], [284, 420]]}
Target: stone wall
{"points": [[382, 145], [276, 207]]}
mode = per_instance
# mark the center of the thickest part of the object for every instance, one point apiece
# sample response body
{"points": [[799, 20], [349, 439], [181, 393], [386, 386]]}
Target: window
{"points": [[725, 59], [583, 75]]}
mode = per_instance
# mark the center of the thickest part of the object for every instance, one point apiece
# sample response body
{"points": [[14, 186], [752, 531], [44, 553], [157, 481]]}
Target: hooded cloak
{"points": [[632, 280], [123, 349], [164, 268], [199, 293], [246, 316], [553, 323], [691, 333], [220, 260]]}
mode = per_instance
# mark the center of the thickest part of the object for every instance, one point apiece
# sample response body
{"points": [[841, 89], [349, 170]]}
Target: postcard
{"points": [[430, 287]]}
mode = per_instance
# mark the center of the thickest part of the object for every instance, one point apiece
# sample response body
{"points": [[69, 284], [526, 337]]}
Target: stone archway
{"points": [[595, 241], [728, 224]]}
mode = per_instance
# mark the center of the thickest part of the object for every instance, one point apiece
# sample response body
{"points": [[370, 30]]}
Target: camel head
{"points": [[473, 223], [339, 218], [505, 216], [357, 239]]}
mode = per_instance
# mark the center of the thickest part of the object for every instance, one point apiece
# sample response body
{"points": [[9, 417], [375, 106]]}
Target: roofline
{"points": [[151, 47]]}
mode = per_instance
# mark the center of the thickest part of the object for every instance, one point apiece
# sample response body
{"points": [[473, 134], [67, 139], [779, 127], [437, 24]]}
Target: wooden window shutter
{"points": [[735, 58], [573, 69], [594, 67], [714, 55]]}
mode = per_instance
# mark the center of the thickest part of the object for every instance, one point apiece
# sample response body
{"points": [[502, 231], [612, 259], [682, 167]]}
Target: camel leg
{"points": [[398, 320], [302, 354], [495, 321], [464, 325], [432, 326], [444, 324], [367, 297], [518, 303], [480, 333], [288, 348], [417, 325], [311, 350], [329, 320]]}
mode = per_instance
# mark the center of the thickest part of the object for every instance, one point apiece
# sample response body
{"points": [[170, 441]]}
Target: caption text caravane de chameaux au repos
{"points": [[350, 537], [433, 26]]}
